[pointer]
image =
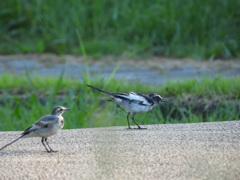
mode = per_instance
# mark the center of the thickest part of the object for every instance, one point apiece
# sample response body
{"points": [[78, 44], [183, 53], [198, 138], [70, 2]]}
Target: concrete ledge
{"points": [[172, 151]]}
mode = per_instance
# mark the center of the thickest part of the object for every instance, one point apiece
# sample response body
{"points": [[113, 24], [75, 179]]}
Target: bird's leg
{"points": [[136, 122], [128, 120], [49, 146], [43, 139]]}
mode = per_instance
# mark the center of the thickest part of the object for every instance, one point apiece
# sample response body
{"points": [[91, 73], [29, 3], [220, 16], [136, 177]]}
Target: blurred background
{"points": [[186, 51], [203, 29]]}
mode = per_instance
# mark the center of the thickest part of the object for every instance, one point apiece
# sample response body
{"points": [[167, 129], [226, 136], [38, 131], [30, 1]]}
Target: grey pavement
{"points": [[168, 151]]}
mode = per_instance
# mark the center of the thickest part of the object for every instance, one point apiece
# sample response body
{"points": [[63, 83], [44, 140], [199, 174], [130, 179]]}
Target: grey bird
{"points": [[45, 127], [133, 102]]}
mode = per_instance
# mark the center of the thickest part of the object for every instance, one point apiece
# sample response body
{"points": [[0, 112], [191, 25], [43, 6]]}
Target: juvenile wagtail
{"points": [[133, 102], [46, 126]]}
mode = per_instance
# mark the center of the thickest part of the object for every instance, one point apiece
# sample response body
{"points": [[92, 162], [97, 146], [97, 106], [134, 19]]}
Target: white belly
{"points": [[45, 132], [133, 108]]}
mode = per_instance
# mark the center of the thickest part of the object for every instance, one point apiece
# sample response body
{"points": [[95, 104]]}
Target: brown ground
{"points": [[155, 71], [176, 151], [159, 63]]}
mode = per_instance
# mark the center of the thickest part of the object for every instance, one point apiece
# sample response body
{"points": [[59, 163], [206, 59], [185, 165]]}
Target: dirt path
{"points": [[151, 71], [176, 151]]}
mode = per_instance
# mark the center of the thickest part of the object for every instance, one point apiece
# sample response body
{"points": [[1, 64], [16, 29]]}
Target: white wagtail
{"points": [[133, 102], [46, 126]]}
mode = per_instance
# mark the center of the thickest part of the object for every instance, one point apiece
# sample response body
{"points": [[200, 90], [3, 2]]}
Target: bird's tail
{"points": [[111, 94], [12, 142]]}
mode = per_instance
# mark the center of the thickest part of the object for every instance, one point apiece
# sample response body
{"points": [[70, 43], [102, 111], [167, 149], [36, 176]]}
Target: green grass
{"points": [[197, 29], [24, 99]]}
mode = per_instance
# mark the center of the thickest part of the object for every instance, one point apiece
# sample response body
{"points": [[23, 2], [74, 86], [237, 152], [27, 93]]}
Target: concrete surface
{"points": [[171, 151]]}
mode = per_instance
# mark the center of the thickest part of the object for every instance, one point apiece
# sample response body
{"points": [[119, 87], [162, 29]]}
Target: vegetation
{"points": [[26, 98], [197, 29]]}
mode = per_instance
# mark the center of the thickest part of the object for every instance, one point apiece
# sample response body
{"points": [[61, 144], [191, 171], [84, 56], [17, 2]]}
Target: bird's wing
{"points": [[135, 98], [148, 100], [43, 122]]}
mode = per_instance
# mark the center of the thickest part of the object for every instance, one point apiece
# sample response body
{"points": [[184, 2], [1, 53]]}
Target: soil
{"points": [[150, 71]]}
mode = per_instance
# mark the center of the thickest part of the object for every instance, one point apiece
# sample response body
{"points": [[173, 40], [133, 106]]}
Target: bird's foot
{"points": [[139, 128], [52, 151]]}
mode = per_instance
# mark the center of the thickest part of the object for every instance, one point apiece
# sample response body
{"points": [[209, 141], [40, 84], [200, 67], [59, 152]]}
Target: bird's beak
{"points": [[163, 101], [66, 109]]}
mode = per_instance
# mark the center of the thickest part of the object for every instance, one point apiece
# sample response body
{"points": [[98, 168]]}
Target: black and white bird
{"points": [[133, 102], [46, 126]]}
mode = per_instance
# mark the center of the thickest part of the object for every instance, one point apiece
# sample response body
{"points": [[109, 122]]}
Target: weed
{"points": [[199, 29], [26, 98]]}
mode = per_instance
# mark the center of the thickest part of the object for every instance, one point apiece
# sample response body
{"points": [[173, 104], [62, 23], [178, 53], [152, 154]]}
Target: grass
{"points": [[24, 99], [198, 29]]}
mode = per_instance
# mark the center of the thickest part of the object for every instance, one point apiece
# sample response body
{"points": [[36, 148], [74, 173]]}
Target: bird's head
{"points": [[156, 98], [59, 110]]}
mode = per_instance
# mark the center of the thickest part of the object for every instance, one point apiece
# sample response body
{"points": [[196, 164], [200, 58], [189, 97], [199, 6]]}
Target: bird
{"points": [[133, 102], [45, 127]]}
